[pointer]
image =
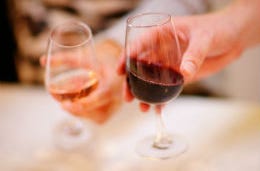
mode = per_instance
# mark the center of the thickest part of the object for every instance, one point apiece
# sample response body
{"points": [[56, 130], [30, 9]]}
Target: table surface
{"points": [[222, 134]]}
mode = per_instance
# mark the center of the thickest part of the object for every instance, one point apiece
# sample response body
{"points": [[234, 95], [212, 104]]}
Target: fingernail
{"points": [[188, 68]]}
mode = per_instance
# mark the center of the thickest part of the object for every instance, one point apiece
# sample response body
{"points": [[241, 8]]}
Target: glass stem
{"points": [[162, 139]]}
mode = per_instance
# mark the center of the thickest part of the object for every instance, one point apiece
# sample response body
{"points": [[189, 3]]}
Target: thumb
{"points": [[193, 57]]}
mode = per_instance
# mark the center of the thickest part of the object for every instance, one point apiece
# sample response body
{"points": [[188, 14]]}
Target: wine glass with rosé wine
{"points": [[77, 80], [153, 59]]}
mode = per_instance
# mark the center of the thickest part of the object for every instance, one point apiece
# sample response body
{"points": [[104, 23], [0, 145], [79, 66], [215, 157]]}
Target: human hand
{"points": [[209, 44], [101, 103]]}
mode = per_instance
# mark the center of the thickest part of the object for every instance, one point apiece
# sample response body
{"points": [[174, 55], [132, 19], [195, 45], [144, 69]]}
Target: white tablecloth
{"points": [[223, 135]]}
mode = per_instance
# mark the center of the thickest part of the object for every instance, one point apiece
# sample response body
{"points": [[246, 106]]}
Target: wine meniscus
{"points": [[73, 85]]}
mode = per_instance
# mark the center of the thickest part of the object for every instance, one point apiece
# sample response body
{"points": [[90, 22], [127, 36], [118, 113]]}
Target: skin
{"points": [[210, 42], [102, 103]]}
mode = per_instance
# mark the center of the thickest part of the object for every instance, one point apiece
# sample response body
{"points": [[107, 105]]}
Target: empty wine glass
{"points": [[72, 74], [153, 60]]}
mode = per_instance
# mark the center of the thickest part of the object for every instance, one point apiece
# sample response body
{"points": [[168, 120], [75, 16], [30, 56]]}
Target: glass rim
{"points": [[131, 18], [79, 23]]}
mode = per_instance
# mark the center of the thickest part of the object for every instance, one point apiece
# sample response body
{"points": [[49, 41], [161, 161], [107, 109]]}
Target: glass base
{"points": [[148, 149], [73, 135]]}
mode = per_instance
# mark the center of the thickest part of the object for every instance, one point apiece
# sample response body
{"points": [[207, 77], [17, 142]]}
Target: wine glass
{"points": [[72, 74], [153, 60]]}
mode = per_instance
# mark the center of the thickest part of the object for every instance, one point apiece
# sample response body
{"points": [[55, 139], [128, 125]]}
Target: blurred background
{"points": [[222, 134], [25, 27]]}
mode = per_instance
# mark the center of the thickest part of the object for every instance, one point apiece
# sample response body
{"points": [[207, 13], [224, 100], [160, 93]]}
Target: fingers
{"points": [[144, 107], [158, 108], [99, 114], [101, 103], [194, 56], [128, 96], [62, 58], [138, 47]]}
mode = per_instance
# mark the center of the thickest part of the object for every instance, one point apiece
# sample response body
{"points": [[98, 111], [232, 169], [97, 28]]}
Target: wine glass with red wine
{"points": [[72, 74], [153, 60]]}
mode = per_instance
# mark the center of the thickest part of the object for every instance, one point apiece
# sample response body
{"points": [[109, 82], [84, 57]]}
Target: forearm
{"points": [[174, 7], [244, 16]]}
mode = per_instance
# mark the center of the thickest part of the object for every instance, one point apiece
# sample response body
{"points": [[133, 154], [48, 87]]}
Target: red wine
{"points": [[73, 85], [153, 83]]}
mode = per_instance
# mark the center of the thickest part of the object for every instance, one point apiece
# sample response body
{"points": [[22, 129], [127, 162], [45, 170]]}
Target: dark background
{"points": [[7, 46]]}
